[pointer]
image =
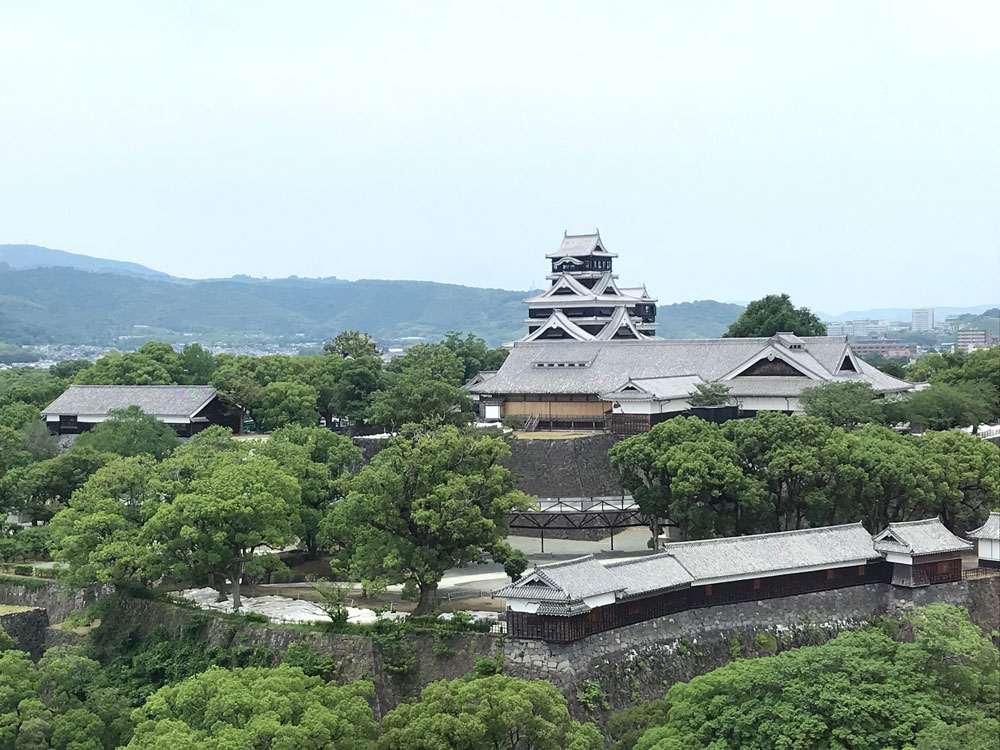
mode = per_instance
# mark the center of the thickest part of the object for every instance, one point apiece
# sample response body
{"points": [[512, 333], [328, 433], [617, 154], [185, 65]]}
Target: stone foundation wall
{"points": [[639, 662], [355, 656], [576, 467], [28, 629], [54, 598]]}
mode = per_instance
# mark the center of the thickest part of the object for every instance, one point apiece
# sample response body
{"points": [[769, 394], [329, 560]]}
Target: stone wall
{"points": [[55, 599], [368, 446], [356, 657], [27, 628], [576, 467], [639, 662]]}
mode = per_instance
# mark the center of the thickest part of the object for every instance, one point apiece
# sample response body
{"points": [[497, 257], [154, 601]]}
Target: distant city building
{"points": [[970, 339], [584, 301], [922, 319], [885, 347], [854, 328]]}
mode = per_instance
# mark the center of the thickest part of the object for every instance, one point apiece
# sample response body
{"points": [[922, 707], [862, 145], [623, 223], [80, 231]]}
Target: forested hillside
{"points": [[68, 306]]}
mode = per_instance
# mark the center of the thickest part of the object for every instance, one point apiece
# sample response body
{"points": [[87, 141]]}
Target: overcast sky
{"points": [[846, 153]]}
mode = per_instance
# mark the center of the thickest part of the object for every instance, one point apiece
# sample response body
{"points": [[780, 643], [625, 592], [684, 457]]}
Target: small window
{"points": [[861, 571], [708, 591], [829, 574], [756, 584]]}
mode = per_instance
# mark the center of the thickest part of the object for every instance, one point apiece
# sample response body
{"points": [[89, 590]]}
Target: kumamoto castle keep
{"points": [[591, 358]]}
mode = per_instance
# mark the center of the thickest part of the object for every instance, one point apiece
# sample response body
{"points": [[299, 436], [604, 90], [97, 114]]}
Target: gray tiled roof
{"points": [[159, 400], [747, 556], [569, 580], [990, 529], [578, 245], [611, 363], [642, 575], [678, 386], [926, 537]]}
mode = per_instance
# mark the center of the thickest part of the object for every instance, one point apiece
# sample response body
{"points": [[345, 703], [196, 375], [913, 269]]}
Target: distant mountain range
{"points": [[22, 257], [56, 297]]}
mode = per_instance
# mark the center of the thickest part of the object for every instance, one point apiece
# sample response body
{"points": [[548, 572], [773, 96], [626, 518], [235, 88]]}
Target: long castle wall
{"points": [[639, 662], [631, 664]]}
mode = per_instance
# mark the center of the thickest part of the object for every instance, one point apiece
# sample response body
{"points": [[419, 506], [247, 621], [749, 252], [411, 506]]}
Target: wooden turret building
{"points": [[584, 301]]}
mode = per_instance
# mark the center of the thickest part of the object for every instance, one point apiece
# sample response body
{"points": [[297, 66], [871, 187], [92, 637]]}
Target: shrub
{"points": [[766, 642], [592, 696]]}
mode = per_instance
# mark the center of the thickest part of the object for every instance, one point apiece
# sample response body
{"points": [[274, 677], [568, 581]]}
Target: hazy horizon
{"points": [[843, 153]]}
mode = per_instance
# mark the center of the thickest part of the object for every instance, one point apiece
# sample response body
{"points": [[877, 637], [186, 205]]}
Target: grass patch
{"points": [[554, 435], [10, 609]]}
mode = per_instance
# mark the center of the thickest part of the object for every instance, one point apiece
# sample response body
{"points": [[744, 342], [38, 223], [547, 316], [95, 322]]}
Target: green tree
{"points": [[773, 314], [895, 366], [353, 344], [943, 406], [69, 368], [130, 432], [786, 453], [979, 368], [862, 690], [235, 381], [244, 504], [685, 470], [360, 377], [285, 402], [279, 708], [848, 405], [150, 367], [38, 442], [29, 385], [19, 413], [712, 394], [428, 501], [474, 353], [197, 365], [324, 375], [317, 458], [97, 536], [40, 489], [965, 472], [877, 476], [12, 450], [498, 712], [414, 396], [436, 361], [65, 702], [980, 734]]}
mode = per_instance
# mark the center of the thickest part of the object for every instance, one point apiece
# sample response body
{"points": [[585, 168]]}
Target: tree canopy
{"points": [[279, 708], [773, 314], [686, 470], [244, 503], [428, 501], [864, 690], [131, 432], [848, 404], [778, 472], [498, 712]]}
